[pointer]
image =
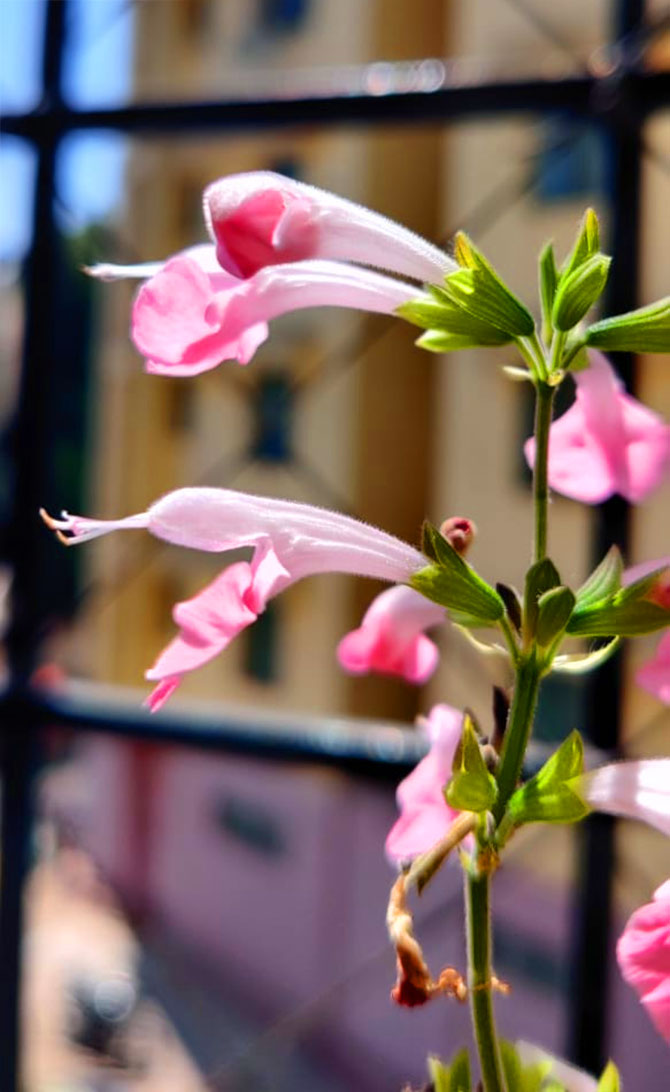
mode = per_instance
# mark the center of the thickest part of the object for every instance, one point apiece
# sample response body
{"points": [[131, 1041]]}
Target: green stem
{"points": [[479, 980], [544, 402], [517, 733]]}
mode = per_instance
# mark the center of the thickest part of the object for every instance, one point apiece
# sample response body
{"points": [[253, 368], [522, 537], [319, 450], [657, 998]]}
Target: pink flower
{"points": [[391, 640], [289, 541], [261, 218], [643, 953], [186, 321], [606, 443], [654, 676], [634, 790], [424, 813]]}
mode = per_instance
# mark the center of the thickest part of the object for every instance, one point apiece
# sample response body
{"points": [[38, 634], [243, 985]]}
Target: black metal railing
{"points": [[620, 101]]}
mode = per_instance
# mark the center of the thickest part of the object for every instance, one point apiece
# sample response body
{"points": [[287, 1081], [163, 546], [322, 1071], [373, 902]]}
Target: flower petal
{"points": [[390, 639]]}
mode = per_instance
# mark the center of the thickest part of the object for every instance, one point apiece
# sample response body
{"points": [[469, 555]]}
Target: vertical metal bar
{"points": [[593, 946], [19, 732]]}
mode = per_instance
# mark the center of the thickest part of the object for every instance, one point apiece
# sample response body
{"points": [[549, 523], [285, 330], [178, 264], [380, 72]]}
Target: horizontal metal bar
{"points": [[381, 749], [583, 94]]}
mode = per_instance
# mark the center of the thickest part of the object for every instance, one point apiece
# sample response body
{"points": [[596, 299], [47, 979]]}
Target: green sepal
{"points": [[520, 1077], [577, 293], [547, 797], [646, 330], [603, 582], [452, 583], [554, 609], [453, 1078], [548, 283], [610, 1080], [480, 290], [540, 578], [442, 341], [586, 244], [472, 788], [437, 313], [629, 612]]}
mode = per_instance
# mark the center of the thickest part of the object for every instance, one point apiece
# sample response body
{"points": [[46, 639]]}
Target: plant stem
{"points": [[479, 979], [544, 401], [517, 733]]}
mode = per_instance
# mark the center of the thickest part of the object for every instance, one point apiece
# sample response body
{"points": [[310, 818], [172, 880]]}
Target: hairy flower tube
{"points": [[424, 812], [261, 218], [633, 790], [606, 443], [643, 954], [289, 541]]}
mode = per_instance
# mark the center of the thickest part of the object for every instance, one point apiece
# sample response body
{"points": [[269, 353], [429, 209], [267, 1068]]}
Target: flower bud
{"points": [[459, 533]]}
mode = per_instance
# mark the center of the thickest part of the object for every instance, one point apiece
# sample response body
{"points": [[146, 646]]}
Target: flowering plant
{"points": [[278, 245]]}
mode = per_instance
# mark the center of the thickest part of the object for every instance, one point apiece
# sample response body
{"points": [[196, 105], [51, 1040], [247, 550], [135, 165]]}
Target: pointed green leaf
{"points": [[646, 330], [642, 607], [472, 787], [548, 284], [442, 341], [586, 244], [604, 581], [451, 582], [554, 609], [481, 291], [610, 1080], [459, 1078], [577, 293], [439, 1074], [547, 797], [540, 578]]}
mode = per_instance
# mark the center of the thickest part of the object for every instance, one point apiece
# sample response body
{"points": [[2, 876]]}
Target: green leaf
{"points": [[642, 607], [646, 330], [577, 293], [441, 341], [452, 583], [548, 284], [459, 1078], [547, 797], [604, 581], [554, 609], [520, 1077], [610, 1080], [472, 787], [540, 578], [586, 244], [453, 1078], [479, 289]]}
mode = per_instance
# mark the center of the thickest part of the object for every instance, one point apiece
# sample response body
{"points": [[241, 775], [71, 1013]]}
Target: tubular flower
{"points": [[391, 640], [289, 541], [261, 218], [643, 954], [424, 813], [634, 790], [186, 321], [606, 443]]}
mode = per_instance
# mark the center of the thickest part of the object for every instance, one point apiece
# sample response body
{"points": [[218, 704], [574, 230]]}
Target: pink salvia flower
{"points": [[261, 218], [633, 790], [643, 954], [186, 320], [390, 639], [654, 676], [606, 443], [425, 815], [289, 541]]}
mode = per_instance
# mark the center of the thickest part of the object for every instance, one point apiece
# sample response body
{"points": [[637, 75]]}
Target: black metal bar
{"points": [[593, 946], [30, 471], [578, 94]]}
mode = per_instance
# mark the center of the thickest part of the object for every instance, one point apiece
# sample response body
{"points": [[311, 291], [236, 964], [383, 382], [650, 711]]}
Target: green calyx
{"points": [[549, 796], [642, 607], [452, 583], [472, 788], [646, 330]]}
